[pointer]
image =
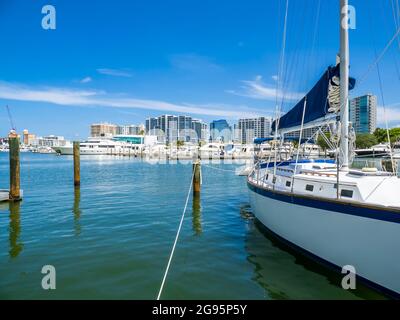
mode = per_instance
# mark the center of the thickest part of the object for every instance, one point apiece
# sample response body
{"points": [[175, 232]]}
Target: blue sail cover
{"points": [[317, 101]]}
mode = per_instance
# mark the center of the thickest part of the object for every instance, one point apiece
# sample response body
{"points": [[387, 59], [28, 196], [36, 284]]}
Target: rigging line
{"points": [[384, 115], [397, 24], [277, 112], [292, 65], [376, 61], [395, 18], [379, 58], [314, 41], [300, 136], [176, 239], [382, 94], [279, 85]]}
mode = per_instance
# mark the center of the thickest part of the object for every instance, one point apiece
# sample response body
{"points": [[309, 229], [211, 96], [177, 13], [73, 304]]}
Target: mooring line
{"points": [[176, 239], [215, 168]]}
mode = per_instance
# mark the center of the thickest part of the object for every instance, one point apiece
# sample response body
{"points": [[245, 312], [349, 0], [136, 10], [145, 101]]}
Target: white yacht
{"points": [[310, 150], [212, 150], [242, 151], [327, 211], [99, 146], [379, 150]]}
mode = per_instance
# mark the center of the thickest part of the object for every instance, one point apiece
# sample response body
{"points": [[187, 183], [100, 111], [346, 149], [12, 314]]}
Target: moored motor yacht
{"points": [[99, 146]]}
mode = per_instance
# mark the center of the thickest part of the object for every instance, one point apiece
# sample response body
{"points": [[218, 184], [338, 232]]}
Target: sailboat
{"points": [[326, 210]]}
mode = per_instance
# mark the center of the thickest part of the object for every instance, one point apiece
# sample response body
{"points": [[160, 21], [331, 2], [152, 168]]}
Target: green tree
{"points": [[321, 141], [366, 140], [381, 135], [180, 143]]}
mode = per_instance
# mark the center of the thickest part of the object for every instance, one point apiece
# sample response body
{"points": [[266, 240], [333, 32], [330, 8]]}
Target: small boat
{"points": [[5, 194], [310, 150], [212, 150], [379, 150], [244, 170], [245, 151]]}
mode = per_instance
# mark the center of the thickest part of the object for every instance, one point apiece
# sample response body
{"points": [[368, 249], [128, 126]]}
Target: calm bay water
{"points": [[112, 239]]}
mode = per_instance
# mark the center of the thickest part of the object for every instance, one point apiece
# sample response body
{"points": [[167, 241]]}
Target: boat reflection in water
{"points": [[16, 245], [285, 274]]}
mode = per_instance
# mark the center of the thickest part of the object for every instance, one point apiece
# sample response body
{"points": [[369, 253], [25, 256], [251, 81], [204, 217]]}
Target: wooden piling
{"points": [[196, 177], [77, 165], [15, 193]]}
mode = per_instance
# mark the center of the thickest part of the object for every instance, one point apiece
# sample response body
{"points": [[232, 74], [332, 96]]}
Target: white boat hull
{"points": [[370, 245], [96, 151], [5, 194]]}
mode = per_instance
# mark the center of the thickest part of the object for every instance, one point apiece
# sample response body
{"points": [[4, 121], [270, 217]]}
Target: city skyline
{"points": [[127, 61]]}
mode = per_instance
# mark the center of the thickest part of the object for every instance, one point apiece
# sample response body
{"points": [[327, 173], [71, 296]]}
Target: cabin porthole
{"points": [[346, 193], [310, 187]]}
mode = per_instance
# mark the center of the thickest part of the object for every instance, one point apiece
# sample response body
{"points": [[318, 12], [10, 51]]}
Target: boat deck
{"points": [[308, 179]]}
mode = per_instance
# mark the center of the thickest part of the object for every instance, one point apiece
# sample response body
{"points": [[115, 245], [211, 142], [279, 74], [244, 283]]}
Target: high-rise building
{"points": [[220, 130], [252, 128], [170, 128], [28, 137], [130, 129], [363, 113], [103, 130], [308, 133], [201, 130]]}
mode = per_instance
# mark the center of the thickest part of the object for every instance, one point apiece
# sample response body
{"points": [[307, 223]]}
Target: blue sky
{"points": [[122, 61]]}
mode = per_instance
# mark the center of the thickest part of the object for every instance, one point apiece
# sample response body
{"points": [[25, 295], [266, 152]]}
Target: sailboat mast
{"points": [[344, 83]]}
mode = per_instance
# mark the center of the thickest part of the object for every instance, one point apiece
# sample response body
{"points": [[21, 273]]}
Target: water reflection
{"points": [[196, 216], [285, 274], [77, 211], [15, 229]]}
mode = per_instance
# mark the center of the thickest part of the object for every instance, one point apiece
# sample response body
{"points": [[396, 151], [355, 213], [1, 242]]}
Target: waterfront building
{"points": [[363, 114], [201, 130], [308, 133], [171, 128], [220, 130], [136, 139], [28, 137], [103, 130], [130, 129], [252, 128]]}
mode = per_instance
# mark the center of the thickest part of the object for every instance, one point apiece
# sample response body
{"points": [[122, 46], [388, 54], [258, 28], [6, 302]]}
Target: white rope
{"points": [[219, 169], [176, 239]]}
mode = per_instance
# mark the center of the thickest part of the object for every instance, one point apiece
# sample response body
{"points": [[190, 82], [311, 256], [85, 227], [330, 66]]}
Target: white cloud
{"points": [[74, 97], [390, 112], [275, 77], [86, 80], [256, 89], [115, 72]]}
